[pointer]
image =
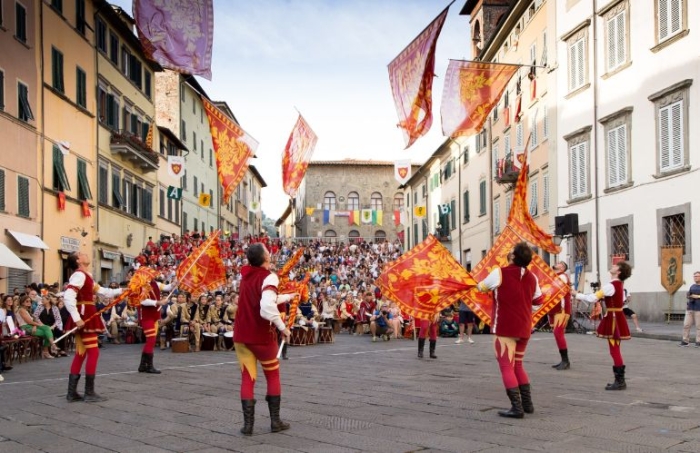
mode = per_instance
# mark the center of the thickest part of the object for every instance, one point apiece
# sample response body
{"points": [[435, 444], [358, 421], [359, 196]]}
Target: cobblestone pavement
{"points": [[355, 395]]}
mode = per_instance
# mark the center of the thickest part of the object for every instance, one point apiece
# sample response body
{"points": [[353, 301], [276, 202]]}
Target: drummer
{"points": [[307, 316], [215, 320]]}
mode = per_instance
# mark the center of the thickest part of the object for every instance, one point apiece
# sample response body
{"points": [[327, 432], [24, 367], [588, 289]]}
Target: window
{"points": [[57, 69], [453, 214], [60, 179], [615, 36], [125, 54], [671, 18], [147, 84], [211, 197], [84, 192], [580, 241], [506, 144], [22, 196], [2, 190], [112, 110], [57, 5], [519, 139], [494, 159], [578, 162], [545, 122], [620, 241], [509, 204], [135, 73], [2, 90], [80, 16], [101, 35], [196, 187], [117, 200], [545, 191], [20, 22], [353, 201], [184, 221], [80, 88], [329, 201], [147, 204], [161, 202], [183, 130], [577, 54], [113, 48], [672, 127], [465, 207], [103, 183], [496, 216], [127, 190], [533, 197], [617, 155], [534, 138], [25, 111], [674, 230], [398, 202], [376, 201], [482, 198], [183, 182], [194, 142]]}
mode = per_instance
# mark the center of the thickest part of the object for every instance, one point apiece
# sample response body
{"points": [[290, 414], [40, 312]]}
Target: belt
{"points": [[614, 309], [86, 302]]}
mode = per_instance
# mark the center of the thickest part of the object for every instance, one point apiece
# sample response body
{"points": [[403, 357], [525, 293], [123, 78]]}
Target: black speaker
{"points": [[566, 225]]}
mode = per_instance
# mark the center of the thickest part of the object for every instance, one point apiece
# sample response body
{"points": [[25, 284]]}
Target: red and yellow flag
{"points": [[297, 155], [519, 218], [203, 270], [472, 89], [425, 280], [139, 288], [411, 77], [232, 147], [553, 289]]}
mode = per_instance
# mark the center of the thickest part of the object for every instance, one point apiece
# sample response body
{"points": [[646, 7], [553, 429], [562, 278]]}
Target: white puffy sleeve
{"points": [[491, 282], [607, 290], [268, 302], [77, 280]]}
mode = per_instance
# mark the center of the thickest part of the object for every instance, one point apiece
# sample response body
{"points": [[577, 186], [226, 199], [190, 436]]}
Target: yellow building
{"points": [[68, 149], [126, 142], [21, 257], [169, 214], [517, 33]]}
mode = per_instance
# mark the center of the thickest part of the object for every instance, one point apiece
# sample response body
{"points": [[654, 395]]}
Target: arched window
{"points": [[379, 236], [398, 202], [330, 234], [376, 201], [353, 236], [329, 201], [353, 201]]}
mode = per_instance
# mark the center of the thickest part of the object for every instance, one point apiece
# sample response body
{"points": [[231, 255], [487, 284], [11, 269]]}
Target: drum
{"points": [[336, 326], [228, 340], [209, 341], [180, 345], [311, 336], [325, 335], [298, 337]]}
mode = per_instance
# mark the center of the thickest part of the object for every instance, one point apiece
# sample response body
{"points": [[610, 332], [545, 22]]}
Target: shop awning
{"points": [[28, 240], [9, 259]]}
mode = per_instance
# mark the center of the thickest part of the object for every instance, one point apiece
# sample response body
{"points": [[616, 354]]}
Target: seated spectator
{"points": [[347, 313], [35, 327], [329, 310], [307, 314], [367, 307], [448, 326], [380, 324], [396, 320], [7, 311], [49, 315]]}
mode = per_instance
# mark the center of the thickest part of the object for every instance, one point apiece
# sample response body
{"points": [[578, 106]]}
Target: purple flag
{"points": [[177, 34]]}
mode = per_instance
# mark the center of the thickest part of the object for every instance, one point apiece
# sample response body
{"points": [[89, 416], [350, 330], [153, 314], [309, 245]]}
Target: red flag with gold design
{"points": [[297, 155], [424, 280], [553, 289], [232, 147], [411, 77], [472, 89], [520, 219], [203, 270]]}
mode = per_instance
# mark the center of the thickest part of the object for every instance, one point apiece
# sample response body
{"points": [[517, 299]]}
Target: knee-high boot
{"points": [[284, 351], [619, 383], [564, 364], [276, 424], [516, 405], [248, 416], [526, 399], [421, 346], [433, 344], [90, 395], [73, 394]]}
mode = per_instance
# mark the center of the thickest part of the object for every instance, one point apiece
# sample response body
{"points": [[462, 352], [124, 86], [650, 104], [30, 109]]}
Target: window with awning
{"points": [[84, 192], [60, 179]]}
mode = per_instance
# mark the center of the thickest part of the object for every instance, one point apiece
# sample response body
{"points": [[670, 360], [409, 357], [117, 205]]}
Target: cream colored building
{"points": [[169, 214], [21, 248]]}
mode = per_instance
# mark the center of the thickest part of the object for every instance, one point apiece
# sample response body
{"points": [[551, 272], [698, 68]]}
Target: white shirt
{"points": [[70, 295], [269, 301]]}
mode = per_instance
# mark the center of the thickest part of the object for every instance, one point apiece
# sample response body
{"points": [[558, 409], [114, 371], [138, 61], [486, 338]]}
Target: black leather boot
{"points": [[273, 403], [421, 346], [143, 366], [526, 399], [149, 365], [73, 394], [564, 364], [248, 416], [516, 409], [284, 351], [619, 383], [433, 343], [90, 395]]}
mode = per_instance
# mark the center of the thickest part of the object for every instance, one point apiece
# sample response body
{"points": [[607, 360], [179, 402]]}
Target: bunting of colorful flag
{"points": [[397, 217], [411, 77], [402, 170], [472, 89], [367, 216], [177, 35], [355, 217], [553, 288], [297, 155], [203, 269], [232, 147], [310, 211], [377, 217], [425, 280]]}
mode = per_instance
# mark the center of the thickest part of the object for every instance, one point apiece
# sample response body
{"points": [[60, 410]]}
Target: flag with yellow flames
{"points": [[297, 155], [203, 270]]}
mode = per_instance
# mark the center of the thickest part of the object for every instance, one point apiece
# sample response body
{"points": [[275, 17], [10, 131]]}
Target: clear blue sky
{"points": [[328, 59]]}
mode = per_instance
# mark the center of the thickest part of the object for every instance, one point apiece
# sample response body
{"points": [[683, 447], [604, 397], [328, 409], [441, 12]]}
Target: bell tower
{"points": [[484, 19]]}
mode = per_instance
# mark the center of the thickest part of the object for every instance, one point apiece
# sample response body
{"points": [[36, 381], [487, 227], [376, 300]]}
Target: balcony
{"points": [[506, 171], [132, 148]]}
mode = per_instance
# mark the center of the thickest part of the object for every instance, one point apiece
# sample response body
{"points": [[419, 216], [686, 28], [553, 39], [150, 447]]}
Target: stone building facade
{"points": [[350, 199]]}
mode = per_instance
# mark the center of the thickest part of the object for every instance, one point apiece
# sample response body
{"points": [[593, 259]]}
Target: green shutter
{"points": [[84, 192], [2, 190], [117, 200], [60, 182], [23, 196]]}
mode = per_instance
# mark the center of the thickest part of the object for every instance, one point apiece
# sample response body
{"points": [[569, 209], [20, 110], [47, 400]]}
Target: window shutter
{"points": [[496, 216], [582, 169], [580, 63], [675, 16], [103, 185], [545, 192], [23, 196], [572, 67], [2, 190], [534, 139], [506, 144], [664, 138], [495, 159], [613, 159], [573, 171], [533, 198], [161, 202], [466, 206], [482, 197], [509, 204], [612, 43], [620, 38], [519, 137], [676, 125], [622, 154], [2, 90], [545, 122]]}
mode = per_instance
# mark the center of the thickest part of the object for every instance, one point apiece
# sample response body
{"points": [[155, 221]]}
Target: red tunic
{"points": [[614, 324], [151, 313], [85, 301], [512, 307], [251, 328], [567, 300]]}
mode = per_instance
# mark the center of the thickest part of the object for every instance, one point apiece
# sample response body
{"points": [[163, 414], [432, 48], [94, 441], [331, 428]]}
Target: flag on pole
{"points": [[297, 155], [176, 166], [425, 280], [402, 170], [149, 137], [411, 78], [356, 217], [232, 147], [177, 35], [203, 269], [472, 89], [419, 211]]}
